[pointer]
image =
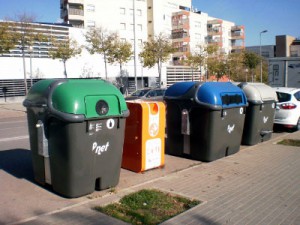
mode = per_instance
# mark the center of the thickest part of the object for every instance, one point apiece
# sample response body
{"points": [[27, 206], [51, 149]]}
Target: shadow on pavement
{"points": [[17, 162]]}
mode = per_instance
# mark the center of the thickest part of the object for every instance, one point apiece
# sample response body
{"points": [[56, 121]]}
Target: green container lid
{"points": [[75, 100]]}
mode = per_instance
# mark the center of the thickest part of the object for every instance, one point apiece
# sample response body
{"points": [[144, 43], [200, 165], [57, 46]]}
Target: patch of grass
{"points": [[290, 142], [148, 207]]}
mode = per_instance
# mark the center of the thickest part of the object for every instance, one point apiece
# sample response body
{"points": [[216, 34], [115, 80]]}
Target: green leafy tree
{"points": [[119, 52], [64, 50], [196, 60], [236, 68], [100, 41], [251, 61], [8, 40], [156, 51], [216, 61]]}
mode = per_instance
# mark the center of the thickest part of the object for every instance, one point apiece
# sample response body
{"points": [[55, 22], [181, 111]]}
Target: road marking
{"points": [[14, 138]]}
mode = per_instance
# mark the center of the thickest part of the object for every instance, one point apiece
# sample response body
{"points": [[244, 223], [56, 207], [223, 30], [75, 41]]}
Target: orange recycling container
{"points": [[144, 144]]}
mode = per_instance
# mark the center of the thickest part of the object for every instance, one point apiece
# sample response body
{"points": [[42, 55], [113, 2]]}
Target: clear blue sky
{"points": [[279, 17]]}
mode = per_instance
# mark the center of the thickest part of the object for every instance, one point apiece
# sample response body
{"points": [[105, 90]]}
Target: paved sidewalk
{"points": [[258, 185], [11, 109]]}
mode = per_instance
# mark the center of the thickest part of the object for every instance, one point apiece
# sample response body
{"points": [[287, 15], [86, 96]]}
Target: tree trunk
{"points": [[105, 64], [24, 68], [65, 69], [159, 73]]}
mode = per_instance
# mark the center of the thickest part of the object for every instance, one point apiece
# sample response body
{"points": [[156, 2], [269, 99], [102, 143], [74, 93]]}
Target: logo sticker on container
{"points": [[241, 110], [230, 129], [153, 153], [153, 119]]}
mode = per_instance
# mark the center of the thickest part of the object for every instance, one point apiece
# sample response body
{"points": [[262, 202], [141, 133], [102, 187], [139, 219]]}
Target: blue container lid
{"points": [[181, 90], [214, 95], [220, 95]]}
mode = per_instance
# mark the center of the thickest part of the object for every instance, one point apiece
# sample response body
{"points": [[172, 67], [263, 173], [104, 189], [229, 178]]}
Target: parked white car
{"points": [[287, 111]]}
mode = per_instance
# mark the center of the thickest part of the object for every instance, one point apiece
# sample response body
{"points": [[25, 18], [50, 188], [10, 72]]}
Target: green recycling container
{"points": [[76, 129]]}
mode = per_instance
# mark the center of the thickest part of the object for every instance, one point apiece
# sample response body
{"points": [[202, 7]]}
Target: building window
{"points": [[122, 11], [90, 23], [139, 27], [123, 26], [198, 24], [294, 54], [198, 37], [139, 12], [131, 12], [90, 8], [265, 54]]}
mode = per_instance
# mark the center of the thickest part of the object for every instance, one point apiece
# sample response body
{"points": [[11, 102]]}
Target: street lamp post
{"points": [[30, 52], [264, 31]]}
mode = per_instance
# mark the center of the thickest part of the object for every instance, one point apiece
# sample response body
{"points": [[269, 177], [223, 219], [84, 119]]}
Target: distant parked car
{"points": [[147, 94], [287, 111]]}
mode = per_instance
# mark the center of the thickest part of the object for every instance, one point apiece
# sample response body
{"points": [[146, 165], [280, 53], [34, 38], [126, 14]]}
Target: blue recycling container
{"points": [[205, 121]]}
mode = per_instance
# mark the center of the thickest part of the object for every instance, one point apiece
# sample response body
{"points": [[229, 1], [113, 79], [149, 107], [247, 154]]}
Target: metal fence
{"points": [[15, 87]]}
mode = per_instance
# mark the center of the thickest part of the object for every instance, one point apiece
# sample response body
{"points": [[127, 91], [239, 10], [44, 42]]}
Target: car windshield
{"points": [[155, 93], [140, 93], [283, 97]]}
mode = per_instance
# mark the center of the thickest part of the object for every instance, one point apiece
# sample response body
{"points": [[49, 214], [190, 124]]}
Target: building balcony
{"points": [[238, 47], [215, 42], [214, 32], [80, 2], [237, 37], [237, 28], [76, 12], [77, 23], [76, 18], [182, 40], [216, 21], [180, 34], [180, 26]]}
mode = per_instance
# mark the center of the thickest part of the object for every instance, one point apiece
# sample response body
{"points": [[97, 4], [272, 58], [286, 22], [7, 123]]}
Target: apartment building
{"points": [[193, 29], [152, 17], [227, 35], [134, 21], [39, 49]]}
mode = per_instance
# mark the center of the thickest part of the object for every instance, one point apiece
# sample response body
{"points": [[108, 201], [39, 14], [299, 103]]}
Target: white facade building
{"points": [[133, 20]]}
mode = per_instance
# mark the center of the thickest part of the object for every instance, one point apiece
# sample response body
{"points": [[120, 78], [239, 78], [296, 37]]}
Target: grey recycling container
{"points": [[76, 129], [204, 120], [260, 112]]}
